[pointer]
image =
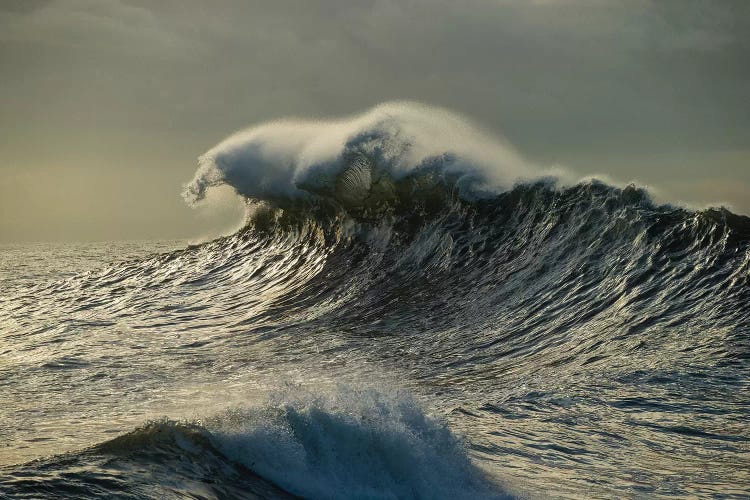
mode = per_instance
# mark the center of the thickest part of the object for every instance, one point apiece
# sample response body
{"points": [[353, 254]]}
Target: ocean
{"points": [[394, 319]]}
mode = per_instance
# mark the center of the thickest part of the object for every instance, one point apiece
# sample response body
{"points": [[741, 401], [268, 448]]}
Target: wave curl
{"points": [[352, 159]]}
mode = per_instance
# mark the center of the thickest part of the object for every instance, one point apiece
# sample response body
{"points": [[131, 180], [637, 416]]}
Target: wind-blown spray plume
{"points": [[302, 159]]}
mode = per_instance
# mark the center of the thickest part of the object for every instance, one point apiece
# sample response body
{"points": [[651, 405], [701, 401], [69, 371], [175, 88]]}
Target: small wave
{"points": [[161, 459], [350, 444]]}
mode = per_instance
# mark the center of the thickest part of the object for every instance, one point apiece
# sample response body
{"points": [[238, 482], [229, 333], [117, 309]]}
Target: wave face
{"points": [[573, 334]]}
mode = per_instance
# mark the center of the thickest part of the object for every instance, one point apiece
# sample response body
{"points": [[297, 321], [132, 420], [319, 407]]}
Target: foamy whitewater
{"points": [[410, 310]]}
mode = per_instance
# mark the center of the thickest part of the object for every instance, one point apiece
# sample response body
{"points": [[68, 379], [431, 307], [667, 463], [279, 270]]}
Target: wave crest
{"points": [[351, 159], [350, 443]]}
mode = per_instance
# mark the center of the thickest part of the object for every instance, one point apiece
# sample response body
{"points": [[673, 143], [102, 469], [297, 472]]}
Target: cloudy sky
{"points": [[106, 104]]}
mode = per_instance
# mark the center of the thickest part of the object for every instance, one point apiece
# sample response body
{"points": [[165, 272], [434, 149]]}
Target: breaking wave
{"points": [[349, 443]]}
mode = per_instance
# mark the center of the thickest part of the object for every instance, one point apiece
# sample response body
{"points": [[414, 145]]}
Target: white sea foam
{"points": [[292, 158], [350, 443]]}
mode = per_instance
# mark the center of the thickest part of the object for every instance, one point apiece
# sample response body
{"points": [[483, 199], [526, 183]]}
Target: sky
{"points": [[105, 105]]}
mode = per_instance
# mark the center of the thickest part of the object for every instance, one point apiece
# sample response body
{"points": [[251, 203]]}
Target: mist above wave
{"points": [[349, 158]]}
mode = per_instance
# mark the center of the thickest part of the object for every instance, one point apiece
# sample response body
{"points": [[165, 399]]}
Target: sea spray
{"points": [[350, 443]]}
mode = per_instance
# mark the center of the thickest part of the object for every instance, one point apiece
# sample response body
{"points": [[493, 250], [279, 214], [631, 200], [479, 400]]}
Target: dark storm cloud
{"points": [[120, 94]]}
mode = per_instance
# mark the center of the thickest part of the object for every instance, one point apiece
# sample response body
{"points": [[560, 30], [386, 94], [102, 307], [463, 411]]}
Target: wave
{"points": [[350, 443], [539, 274], [508, 277], [432, 200], [513, 277]]}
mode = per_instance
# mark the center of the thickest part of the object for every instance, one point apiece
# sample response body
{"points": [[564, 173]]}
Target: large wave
{"points": [[414, 207]]}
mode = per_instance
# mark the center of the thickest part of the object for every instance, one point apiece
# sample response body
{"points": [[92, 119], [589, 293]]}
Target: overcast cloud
{"points": [[105, 105]]}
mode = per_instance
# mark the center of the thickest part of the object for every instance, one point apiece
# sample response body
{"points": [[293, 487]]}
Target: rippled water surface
{"points": [[549, 342]]}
